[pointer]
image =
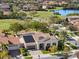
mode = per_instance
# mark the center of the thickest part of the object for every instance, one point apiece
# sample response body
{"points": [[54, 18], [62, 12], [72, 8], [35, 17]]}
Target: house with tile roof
{"points": [[29, 40], [5, 8], [74, 21], [38, 40], [12, 42]]}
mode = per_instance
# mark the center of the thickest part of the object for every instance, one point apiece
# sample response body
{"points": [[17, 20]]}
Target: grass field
{"points": [[57, 8], [28, 57], [44, 14], [4, 24], [41, 14], [45, 52]]}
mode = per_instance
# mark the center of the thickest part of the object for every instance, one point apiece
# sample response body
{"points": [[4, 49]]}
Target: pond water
{"points": [[65, 12]]}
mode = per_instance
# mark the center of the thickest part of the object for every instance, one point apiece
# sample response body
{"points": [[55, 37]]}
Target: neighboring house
{"points": [[12, 42], [70, 18], [5, 8], [29, 40], [29, 7], [38, 40], [74, 21]]}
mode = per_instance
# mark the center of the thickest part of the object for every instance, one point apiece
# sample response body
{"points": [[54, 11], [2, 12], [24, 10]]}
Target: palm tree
{"points": [[4, 52], [66, 50]]}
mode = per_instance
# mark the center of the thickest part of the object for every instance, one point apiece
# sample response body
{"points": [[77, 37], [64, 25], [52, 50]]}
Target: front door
{"points": [[41, 46]]}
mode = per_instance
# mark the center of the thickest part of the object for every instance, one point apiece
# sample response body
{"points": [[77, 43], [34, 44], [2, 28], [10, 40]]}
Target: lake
{"points": [[65, 12]]}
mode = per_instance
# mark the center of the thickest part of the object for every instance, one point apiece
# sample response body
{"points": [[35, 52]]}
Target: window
{"points": [[48, 44], [53, 43]]}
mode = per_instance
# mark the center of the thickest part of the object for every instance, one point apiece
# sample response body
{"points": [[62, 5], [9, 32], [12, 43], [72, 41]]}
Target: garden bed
{"points": [[28, 57], [45, 52]]}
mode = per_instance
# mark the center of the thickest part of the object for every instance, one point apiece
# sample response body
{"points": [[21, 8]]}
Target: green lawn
{"points": [[4, 24], [71, 34], [45, 52], [41, 14], [44, 14], [57, 8], [28, 57], [72, 45]]}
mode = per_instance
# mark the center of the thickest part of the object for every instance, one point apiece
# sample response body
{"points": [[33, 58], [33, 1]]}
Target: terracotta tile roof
{"points": [[14, 40], [77, 54], [9, 40], [38, 36], [75, 23]]}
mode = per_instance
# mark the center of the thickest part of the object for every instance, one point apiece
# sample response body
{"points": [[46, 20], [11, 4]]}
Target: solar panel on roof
{"points": [[29, 39]]}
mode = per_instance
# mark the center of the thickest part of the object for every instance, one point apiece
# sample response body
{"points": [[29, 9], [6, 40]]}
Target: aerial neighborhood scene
{"points": [[39, 29]]}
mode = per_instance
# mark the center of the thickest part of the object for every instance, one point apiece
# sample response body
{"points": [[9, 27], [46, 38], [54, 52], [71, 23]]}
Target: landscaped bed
{"points": [[28, 57], [73, 46], [57, 8], [45, 52]]}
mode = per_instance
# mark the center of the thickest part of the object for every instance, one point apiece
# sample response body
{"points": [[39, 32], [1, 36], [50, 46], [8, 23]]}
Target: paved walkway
{"points": [[33, 53]]}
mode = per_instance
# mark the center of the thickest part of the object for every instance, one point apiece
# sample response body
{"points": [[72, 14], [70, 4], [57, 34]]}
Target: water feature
{"points": [[64, 12]]}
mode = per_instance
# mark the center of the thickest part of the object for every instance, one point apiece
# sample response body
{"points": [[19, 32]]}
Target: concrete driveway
{"points": [[14, 53], [38, 55], [33, 53]]}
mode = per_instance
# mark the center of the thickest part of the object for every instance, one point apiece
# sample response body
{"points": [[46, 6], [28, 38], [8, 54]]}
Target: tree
{"points": [[33, 13], [16, 27], [9, 1], [66, 50], [53, 49], [4, 47], [21, 15], [23, 51], [1, 13], [4, 52], [55, 19], [38, 26], [5, 32], [60, 45]]}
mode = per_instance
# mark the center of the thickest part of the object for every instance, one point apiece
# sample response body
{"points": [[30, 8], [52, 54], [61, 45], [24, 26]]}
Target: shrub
{"points": [[23, 51]]}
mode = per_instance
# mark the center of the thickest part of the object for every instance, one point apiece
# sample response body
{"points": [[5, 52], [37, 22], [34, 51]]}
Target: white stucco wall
{"points": [[37, 42], [49, 41], [22, 40], [12, 47]]}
